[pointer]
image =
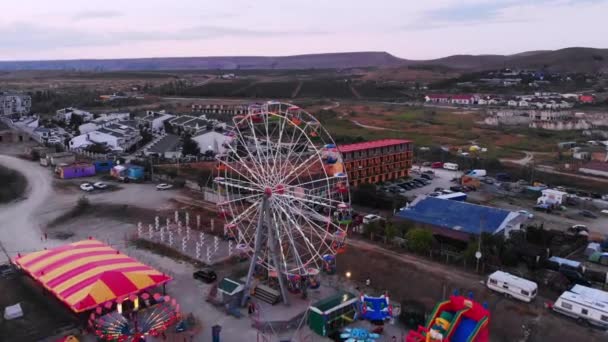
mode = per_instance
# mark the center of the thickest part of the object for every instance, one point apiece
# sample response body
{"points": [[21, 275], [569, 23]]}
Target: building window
{"points": [[604, 318], [566, 306], [584, 311], [505, 286], [525, 293]]}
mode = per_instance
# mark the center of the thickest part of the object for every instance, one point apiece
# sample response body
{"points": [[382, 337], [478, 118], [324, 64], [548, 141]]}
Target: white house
{"points": [[523, 103], [156, 120], [102, 120], [65, 114], [512, 103], [212, 140], [462, 99], [95, 137], [482, 102]]}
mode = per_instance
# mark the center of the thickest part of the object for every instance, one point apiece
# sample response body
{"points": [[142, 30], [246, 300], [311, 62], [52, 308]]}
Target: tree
{"points": [[189, 146], [76, 121], [372, 229], [390, 231], [419, 240]]}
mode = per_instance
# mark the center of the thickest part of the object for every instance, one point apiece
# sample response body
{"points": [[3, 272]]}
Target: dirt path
{"points": [[19, 229], [523, 161], [374, 127], [429, 266], [334, 105]]}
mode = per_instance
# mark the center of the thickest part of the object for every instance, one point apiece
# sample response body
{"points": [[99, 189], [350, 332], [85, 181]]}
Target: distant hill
{"points": [[575, 59], [314, 61], [565, 60]]}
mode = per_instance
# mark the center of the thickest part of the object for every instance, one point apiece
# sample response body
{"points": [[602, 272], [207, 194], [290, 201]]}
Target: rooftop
{"points": [[371, 144], [455, 215], [330, 302], [596, 165], [167, 143]]}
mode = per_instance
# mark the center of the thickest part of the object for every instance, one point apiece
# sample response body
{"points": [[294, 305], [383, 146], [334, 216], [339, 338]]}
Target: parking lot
{"points": [[440, 178]]}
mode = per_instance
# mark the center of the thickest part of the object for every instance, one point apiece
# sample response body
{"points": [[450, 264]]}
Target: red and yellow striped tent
{"points": [[88, 273]]}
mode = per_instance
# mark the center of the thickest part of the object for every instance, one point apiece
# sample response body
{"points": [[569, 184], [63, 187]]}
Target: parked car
{"points": [[100, 185], [369, 218], [488, 180], [206, 275], [469, 188], [438, 189], [419, 181], [437, 165], [426, 176], [86, 187], [526, 213], [429, 172], [457, 188], [163, 186], [424, 181], [587, 213], [406, 186], [426, 164]]}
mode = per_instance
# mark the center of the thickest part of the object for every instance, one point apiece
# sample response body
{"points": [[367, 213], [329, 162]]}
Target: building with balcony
{"points": [[377, 161], [14, 103]]}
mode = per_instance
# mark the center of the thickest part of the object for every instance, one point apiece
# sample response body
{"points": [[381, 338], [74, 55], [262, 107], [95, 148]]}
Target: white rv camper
{"points": [[585, 304], [513, 286], [450, 166]]}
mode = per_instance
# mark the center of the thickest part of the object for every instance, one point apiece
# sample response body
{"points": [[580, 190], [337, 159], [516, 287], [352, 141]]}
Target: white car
{"points": [[54, 140], [526, 213], [100, 185], [86, 187], [164, 186]]}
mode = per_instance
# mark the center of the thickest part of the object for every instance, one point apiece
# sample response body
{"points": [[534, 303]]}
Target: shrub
{"points": [[419, 240]]}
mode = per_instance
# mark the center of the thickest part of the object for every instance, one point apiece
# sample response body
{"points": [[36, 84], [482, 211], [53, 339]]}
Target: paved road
{"points": [[523, 161], [19, 229]]}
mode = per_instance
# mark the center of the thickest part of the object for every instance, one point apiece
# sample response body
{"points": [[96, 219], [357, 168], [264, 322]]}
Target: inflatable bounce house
{"points": [[458, 319], [375, 309]]}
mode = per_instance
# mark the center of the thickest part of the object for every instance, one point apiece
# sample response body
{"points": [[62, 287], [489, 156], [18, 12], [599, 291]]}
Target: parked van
{"points": [[584, 304], [513, 286], [450, 166]]}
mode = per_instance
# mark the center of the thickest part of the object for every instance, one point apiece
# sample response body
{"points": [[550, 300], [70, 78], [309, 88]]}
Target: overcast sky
{"points": [[71, 29]]}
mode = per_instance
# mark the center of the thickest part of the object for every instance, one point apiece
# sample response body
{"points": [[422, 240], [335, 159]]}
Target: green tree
{"points": [[189, 146], [371, 229], [419, 240], [390, 231]]}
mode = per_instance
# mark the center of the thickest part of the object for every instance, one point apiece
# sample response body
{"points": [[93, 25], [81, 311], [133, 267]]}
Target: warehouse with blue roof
{"points": [[459, 220]]}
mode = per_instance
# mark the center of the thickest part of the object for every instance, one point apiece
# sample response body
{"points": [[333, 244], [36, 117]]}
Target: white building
{"points": [[15, 104], [95, 137], [156, 120], [65, 114], [102, 121], [211, 140]]}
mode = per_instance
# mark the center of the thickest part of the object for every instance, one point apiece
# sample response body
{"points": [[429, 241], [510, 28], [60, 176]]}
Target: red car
{"points": [[437, 165]]}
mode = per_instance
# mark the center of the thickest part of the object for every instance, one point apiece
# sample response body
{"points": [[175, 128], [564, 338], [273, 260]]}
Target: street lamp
{"points": [[348, 275]]}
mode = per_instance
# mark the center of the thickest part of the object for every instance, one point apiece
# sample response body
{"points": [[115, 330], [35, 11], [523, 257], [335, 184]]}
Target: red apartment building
{"points": [[377, 161]]}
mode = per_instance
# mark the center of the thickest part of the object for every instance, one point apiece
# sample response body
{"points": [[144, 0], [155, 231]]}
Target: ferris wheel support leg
{"points": [[275, 260], [256, 252]]}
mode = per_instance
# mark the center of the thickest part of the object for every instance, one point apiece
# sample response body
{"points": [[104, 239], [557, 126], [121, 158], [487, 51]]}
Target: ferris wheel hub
{"points": [[268, 192]]}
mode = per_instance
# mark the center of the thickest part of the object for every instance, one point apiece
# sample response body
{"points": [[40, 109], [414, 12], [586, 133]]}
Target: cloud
{"points": [[97, 14], [27, 36]]}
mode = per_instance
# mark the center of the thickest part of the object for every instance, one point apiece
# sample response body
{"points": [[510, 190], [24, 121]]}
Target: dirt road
{"points": [[20, 229]]}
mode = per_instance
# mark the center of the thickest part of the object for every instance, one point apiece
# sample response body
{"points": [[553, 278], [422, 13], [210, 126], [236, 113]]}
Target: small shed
{"points": [[103, 165], [331, 314], [599, 257], [229, 289], [592, 247], [76, 170]]}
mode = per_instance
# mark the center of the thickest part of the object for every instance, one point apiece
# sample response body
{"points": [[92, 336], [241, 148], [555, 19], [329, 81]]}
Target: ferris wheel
{"points": [[285, 191]]}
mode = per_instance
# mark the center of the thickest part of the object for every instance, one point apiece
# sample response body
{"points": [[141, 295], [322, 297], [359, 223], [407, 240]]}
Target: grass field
{"points": [[12, 185]]}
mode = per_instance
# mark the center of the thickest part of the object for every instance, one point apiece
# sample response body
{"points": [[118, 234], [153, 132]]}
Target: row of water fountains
{"points": [[194, 243]]}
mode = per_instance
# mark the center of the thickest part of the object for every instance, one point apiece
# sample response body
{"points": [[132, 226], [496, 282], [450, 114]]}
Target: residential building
{"points": [[523, 103], [460, 220], [65, 114], [586, 99], [155, 120], [116, 136], [230, 110], [211, 140], [438, 98], [167, 147], [595, 168], [191, 124], [377, 161], [462, 99], [12, 103], [512, 103], [101, 121]]}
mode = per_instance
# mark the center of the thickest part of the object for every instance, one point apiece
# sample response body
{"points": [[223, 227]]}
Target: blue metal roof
{"points": [[455, 215]]}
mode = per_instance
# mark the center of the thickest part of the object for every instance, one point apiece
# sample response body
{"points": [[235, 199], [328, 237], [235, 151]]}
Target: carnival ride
{"points": [[458, 319], [375, 309], [146, 316], [358, 335], [287, 200]]}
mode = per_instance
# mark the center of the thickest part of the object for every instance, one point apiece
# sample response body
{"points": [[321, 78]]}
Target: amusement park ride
{"points": [[286, 195]]}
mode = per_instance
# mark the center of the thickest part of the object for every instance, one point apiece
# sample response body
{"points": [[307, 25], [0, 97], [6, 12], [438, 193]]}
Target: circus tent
{"points": [[88, 273]]}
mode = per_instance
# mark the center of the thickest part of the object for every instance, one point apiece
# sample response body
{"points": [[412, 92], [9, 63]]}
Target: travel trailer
{"points": [[513, 286], [584, 304]]}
